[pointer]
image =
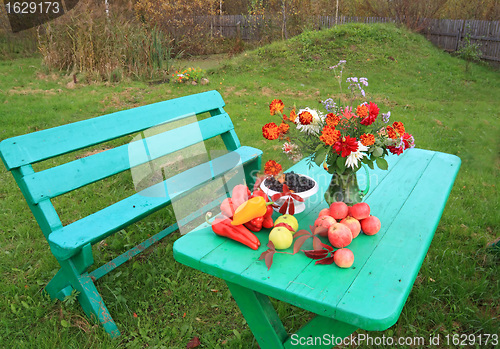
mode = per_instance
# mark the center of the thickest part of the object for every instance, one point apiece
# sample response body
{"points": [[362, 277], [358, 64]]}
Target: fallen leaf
{"points": [[193, 343]]}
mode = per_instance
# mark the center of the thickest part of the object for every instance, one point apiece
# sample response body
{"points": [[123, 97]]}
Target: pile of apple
{"points": [[352, 220]]}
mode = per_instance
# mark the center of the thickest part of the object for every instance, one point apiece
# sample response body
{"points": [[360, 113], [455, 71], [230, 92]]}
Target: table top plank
{"points": [[412, 193], [331, 283], [237, 264], [391, 270]]}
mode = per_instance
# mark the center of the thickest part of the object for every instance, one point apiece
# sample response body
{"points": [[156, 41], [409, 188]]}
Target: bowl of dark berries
{"points": [[297, 185]]}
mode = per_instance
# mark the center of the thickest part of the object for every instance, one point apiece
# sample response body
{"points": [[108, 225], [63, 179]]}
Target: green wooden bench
{"points": [[409, 199], [72, 244]]}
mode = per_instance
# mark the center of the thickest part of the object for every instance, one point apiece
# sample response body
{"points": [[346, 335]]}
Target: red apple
{"points": [[360, 211], [324, 212], [370, 225], [343, 257], [338, 210], [353, 224], [339, 235], [326, 222]]}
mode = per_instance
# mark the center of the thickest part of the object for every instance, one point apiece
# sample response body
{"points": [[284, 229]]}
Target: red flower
{"points": [[276, 106], [367, 139], [396, 151], [391, 133], [398, 126], [373, 111], [329, 135], [332, 120], [283, 128], [270, 131], [305, 118], [362, 111], [408, 140], [272, 168], [346, 146]]}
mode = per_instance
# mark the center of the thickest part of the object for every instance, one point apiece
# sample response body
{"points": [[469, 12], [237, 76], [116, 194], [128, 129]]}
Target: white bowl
{"points": [[299, 206]]}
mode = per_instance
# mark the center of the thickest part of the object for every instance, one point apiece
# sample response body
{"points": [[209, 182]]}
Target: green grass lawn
{"points": [[157, 302]]}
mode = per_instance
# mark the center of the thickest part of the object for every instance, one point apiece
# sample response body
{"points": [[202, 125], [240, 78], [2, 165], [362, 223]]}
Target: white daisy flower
{"points": [[353, 158], [314, 126]]}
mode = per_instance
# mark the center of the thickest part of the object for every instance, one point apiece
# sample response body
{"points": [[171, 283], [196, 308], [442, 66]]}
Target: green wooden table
{"points": [[409, 199]]}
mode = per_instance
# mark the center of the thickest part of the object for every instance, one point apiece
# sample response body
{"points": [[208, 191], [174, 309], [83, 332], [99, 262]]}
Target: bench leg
{"points": [[69, 278], [260, 315]]}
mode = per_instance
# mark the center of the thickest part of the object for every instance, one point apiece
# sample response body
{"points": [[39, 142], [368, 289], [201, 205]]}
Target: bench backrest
{"points": [[21, 152]]}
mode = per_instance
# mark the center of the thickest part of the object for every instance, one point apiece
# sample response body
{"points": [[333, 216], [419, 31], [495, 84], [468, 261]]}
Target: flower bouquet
{"points": [[341, 139]]}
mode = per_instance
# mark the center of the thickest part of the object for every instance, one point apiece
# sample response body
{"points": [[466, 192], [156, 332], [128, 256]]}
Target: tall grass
{"points": [[106, 47]]}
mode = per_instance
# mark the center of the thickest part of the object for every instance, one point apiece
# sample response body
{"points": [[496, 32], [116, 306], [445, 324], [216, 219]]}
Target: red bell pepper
{"points": [[255, 224], [222, 226], [240, 194], [268, 218], [227, 208], [259, 192]]}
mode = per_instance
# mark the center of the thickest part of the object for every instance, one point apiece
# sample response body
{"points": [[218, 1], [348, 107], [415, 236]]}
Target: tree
{"points": [[413, 13], [180, 19]]}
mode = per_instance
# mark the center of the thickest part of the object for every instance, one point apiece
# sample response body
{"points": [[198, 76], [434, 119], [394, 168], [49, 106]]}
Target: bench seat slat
{"points": [[59, 180], [68, 240], [45, 144]]}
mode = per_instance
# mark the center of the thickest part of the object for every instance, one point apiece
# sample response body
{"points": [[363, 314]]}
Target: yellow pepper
{"points": [[250, 209]]}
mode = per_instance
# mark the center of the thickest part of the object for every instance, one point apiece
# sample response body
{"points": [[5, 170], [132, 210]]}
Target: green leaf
{"points": [[382, 163], [332, 159], [378, 152], [341, 164], [370, 164], [64, 323], [320, 156]]}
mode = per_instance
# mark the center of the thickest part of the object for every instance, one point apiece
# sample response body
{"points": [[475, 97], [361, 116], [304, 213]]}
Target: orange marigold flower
{"points": [[367, 139], [391, 133], [398, 126], [293, 115], [332, 120], [329, 135], [305, 118], [362, 111], [283, 128], [272, 168], [270, 131], [276, 106]]}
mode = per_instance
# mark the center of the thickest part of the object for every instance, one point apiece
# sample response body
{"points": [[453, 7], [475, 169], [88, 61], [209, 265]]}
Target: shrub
{"points": [[183, 21], [88, 40], [469, 51]]}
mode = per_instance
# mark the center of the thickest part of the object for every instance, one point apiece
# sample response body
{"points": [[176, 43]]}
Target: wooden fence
{"points": [[447, 34]]}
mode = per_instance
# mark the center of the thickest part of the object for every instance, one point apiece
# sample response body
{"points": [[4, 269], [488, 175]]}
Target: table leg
{"points": [[260, 315], [320, 332]]}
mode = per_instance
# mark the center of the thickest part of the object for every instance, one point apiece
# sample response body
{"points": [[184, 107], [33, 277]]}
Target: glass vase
{"points": [[344, 187]]}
